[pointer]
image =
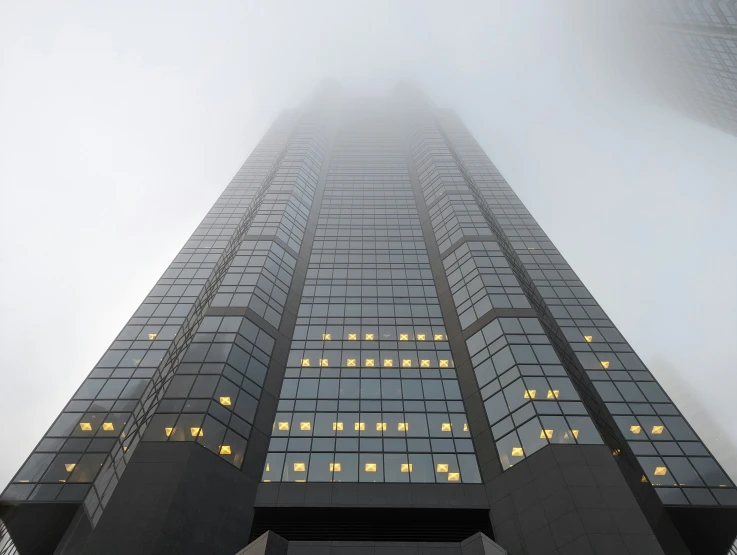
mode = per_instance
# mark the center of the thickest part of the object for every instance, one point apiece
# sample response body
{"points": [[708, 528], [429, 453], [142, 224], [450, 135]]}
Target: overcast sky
{"points": [[121, 123]]}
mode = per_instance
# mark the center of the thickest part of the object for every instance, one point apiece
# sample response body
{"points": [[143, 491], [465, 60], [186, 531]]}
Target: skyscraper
{"points": [[694, 45], [369, 345]]}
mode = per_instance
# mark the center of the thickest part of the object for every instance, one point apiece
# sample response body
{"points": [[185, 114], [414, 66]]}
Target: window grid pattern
{"points": [[370, 392], [528, 396], [481, 279], [93, 422], [675, 461]]}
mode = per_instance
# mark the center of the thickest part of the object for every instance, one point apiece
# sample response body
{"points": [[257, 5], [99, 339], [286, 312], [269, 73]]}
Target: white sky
{"points": [[120, 124]]}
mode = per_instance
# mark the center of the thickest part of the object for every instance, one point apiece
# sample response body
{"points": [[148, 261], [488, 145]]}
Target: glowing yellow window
{"points": [[438, 337], [334, 467], [425, 363], [108, 427], [420, 337], [323, 362], [225, 401], [351, 362], [643, 480], [268, 467], [352, 336], [283, 426], [369, 362], [657, 430], [445, 427], [517, 452], [306, 426], [168, 431], [196, 432], [442, 467], [299, 467], [369, 337], [575, 433], [406, 467], [337, 426], [370, 467], [465, 427], [403, 427], [225, 450], [546, 434], [305, 362], [588, 338], [660, 471], [530, 393], [326, 337], [359, 426], [69, 467], [443, 363], [406, 362], [388, 362], [85, 426], [381, 426], [403, 336], [454, 476], [605, 364], [553, 393], [635, 429], [152, 336]]}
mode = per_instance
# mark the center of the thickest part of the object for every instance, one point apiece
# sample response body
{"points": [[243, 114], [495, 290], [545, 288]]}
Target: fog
{"points": [[121, 123]]}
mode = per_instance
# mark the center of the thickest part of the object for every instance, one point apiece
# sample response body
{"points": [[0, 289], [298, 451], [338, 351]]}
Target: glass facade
{"points": [[370, 302]]}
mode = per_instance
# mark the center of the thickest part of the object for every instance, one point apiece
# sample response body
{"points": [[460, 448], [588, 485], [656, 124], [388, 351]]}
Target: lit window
{"points": [[660, 471], [406, 362], [306, 426], [406, 467], [403, 427], [70, 467], [445, 427], [369, 362], [425, 363], [442, 467], [268, 467], [168, 431], [225, 450], [334, 467], [381, 426], [299, 467], [438, 337], [108, 427], [326, 337], [553, 393], [351, 362], [530, 393], [517, 452], [403, 336], [370, 467], [546, 434], [359, 426], [196, 432], [323, 362], [573, 432], [635, 429], [352, 336], [588, 338], [443, 363], [388, 362], [225, 401], [643, 479], [85, 426], [284, 426], [657, 430], [369, 337], [420, 337], [465, 427], [454, 476], [152, 336], [305, 362], [605, 364], [337, 426]]}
